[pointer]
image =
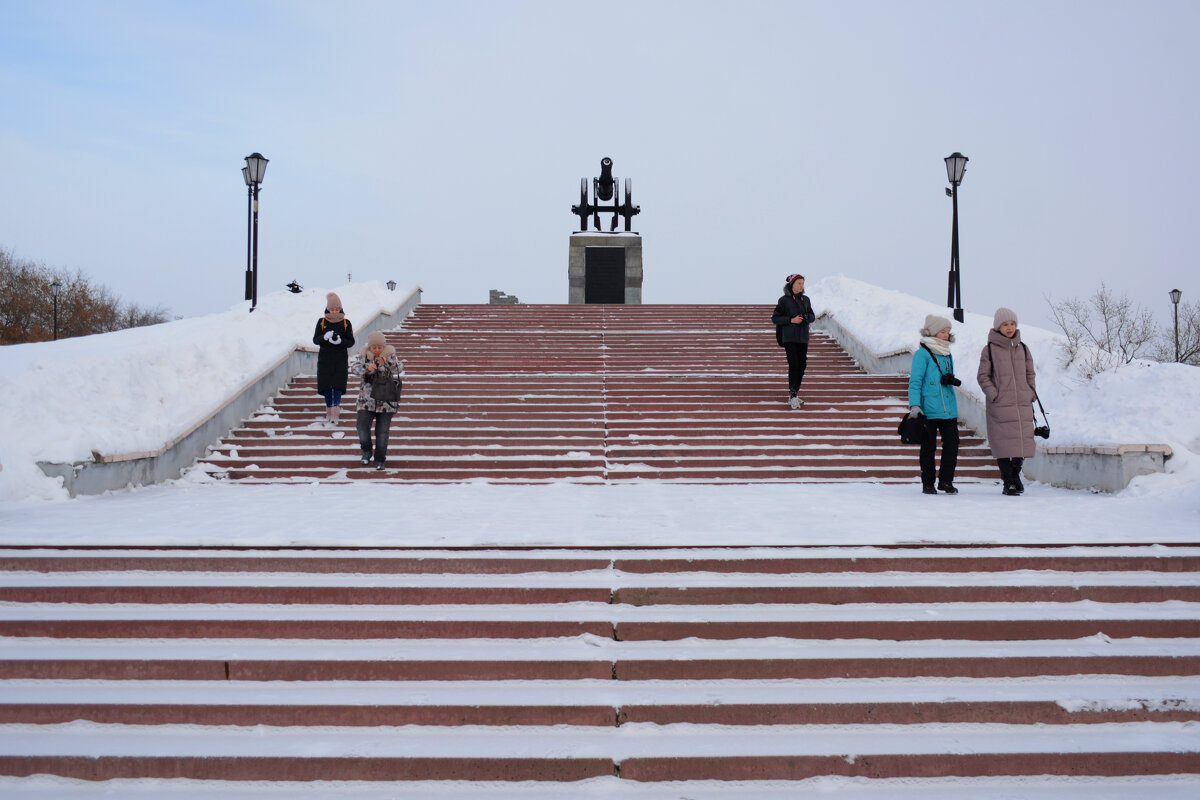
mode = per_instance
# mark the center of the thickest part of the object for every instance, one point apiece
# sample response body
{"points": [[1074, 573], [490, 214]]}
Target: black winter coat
{"points": [[333, 360], [794, 306]]}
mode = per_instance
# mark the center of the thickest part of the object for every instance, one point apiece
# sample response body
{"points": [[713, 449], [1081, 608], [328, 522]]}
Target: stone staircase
{"points": [[625, 667], [616, 394]]}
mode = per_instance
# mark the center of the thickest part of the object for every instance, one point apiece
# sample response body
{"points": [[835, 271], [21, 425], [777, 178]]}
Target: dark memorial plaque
{"points": [[604, 275]]}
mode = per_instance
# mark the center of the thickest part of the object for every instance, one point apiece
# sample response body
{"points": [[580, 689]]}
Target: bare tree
{"points": [[27, 304], [1104, 331], [1189, 337]]}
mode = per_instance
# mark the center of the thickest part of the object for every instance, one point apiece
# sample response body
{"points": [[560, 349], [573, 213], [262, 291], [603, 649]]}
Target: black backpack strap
{"points": [[1028, 357]]}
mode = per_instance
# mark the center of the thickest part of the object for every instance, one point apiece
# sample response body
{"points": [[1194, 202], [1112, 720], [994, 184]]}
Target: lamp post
{"points": [[249, 228], [956, 164], [57, 287], [253, 172], [391, 286], [1175, 295]]}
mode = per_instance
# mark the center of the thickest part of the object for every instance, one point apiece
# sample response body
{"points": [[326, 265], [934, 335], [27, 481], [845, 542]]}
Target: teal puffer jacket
{"points": [[925, 385]]}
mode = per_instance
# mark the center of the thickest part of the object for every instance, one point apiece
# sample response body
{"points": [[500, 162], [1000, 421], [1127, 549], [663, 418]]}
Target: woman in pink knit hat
{"points": [[334, 336]]}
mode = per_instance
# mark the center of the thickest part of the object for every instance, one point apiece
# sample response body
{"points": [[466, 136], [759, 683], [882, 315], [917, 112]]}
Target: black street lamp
{"points": [[391, 286], [1175, 295], [252, 173], [249, 229], [55, 287], [956, 165]]}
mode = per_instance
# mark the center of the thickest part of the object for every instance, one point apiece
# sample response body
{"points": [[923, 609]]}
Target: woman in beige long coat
{"points": [[1007, 378]]}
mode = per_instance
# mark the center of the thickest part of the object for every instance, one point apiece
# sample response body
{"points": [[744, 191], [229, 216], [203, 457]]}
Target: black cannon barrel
{"points": [[605, 183]]}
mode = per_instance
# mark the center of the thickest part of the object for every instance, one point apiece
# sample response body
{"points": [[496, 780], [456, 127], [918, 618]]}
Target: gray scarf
{"points": [[939, 346]]}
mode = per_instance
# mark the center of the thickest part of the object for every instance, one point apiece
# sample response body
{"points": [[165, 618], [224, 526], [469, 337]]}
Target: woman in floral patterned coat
{"points": [[376, 362]]}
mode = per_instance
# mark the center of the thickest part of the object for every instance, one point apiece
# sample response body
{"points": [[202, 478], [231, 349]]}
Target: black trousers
{"points": [[383, 426], [1010, 468], [797, 356], [948, 430]]}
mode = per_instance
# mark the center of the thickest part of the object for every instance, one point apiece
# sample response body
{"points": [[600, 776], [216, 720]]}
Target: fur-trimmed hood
{"points": [[388, 352]]}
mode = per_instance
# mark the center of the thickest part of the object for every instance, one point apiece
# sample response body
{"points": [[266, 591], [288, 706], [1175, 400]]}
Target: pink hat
{"points": [[1002, 316]]}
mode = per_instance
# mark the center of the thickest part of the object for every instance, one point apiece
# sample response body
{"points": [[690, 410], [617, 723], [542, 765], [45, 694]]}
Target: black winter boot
{"points": [[1006, 475], [1016, 474]]}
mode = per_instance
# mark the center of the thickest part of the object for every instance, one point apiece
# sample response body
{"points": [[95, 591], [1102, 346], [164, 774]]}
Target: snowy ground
{"points": [[1036, 788], [1154, 509]]}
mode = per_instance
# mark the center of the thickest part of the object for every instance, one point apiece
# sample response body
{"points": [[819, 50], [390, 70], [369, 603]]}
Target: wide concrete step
{"points": [[605, 703], [635, 751], [864, 564], [353, 594], [123, 624]]}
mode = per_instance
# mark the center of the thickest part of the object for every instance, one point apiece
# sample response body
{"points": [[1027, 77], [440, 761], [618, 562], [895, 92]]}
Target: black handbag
{"points": [[385, 388], [912, 430]]}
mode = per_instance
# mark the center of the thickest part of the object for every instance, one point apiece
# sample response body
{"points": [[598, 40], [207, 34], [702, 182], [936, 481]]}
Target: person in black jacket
{"points": [[335, 336], [793, 316]]}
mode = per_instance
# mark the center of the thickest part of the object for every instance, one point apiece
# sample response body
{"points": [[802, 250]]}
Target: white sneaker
{"points": [[794, 402]]}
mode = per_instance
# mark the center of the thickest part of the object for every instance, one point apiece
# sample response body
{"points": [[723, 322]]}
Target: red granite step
{"points": [[973, 559], [309, 595], [907, 765], [626, 669], [317, 562], [1018, 712], [909, 630], [244, 768], [271, 628]]}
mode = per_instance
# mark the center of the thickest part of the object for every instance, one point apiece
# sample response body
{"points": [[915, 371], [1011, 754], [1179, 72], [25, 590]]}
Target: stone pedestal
{"points": [[594, 268]]}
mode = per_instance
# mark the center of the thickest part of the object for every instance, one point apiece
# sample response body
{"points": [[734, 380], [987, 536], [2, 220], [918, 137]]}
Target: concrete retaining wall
{"points": [[106, 472], [1104, 469]]}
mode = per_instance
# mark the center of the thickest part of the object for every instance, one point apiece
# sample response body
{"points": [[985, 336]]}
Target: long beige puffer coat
{"points": [[1007, 378]]}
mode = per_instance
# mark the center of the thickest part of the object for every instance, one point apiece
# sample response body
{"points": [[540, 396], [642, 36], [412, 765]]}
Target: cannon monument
{"points": [[605, 266]]}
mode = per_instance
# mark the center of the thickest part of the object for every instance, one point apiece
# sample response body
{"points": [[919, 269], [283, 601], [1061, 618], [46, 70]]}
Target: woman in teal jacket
{"points": [[931, 385]]}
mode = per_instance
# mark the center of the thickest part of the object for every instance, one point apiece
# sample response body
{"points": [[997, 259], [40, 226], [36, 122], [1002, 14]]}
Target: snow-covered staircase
{"points": [[534, 393], [620, 666]]}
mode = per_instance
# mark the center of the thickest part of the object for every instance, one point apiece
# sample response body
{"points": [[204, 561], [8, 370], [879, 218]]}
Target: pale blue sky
{"points": [[442, 143]]}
